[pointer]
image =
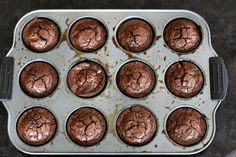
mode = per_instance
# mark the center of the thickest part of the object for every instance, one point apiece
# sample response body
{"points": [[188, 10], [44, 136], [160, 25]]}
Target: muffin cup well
{"points": [[40, 143], [184, 52], [81, 143], [153, 79], [35, 94], [100, 24], [98, 66], [188, 61], [49, 47], [127, 19], [119, 136], [185, 107]]}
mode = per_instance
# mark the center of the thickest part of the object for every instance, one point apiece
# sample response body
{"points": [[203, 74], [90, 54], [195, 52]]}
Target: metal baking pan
{"points": [[111, 102]]}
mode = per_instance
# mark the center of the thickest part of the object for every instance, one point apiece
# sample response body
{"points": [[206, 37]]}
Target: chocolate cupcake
{"points": [[38, 79], [184, 79], [36, 126], [136, 79], [182, 35], [136, 126], [87, 79], [135, 35], [186, 126], [40, 35], [88, 35], [86, 126]]}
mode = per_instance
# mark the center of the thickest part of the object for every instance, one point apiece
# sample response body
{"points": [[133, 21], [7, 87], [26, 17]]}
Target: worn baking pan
{"points": [[111, 102]]}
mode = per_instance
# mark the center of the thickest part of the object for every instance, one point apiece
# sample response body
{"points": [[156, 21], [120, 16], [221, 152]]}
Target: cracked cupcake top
{"points": [[38, 79], [186, 126], [182, 35], [40, 35], [86, 126], [88, 35], [136, 125], [184, 79], [136, 79], [86, 79], [36, 126], [135, 35]]}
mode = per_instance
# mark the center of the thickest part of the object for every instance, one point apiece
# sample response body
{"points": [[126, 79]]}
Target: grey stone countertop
{"points": [[220, 15]]}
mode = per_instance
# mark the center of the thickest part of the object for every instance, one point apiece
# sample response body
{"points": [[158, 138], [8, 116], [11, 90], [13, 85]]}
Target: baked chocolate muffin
{"points": [[86, 126], [87, 79], [88, 35], [36, 126], [38, 79], [184, 79], [136, 126], [182, 35], [135, 35], [136, 79], [186, 126], [40, 34]]}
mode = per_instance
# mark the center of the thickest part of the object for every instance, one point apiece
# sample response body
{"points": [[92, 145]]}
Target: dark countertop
{"points": [[220, 15]]}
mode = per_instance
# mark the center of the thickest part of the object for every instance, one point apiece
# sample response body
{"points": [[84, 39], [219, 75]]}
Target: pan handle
{"points": [[218, 78], [6, 77]]}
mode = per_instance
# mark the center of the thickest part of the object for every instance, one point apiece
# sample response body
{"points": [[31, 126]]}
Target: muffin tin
{"points": [[111, 102]]}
